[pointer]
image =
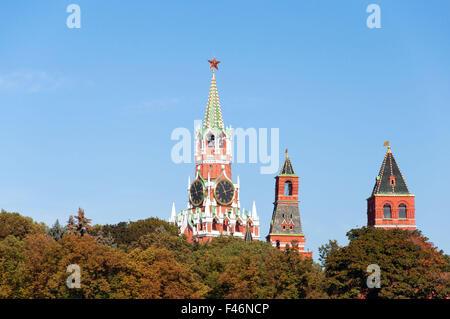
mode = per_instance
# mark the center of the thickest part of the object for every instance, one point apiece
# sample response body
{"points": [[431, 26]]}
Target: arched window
{"points": [[387, 212], [278, 244], [221, 140], [214, 224], [288, 188], [392, 180], [199, 142], [210, 140], [402, 211]]}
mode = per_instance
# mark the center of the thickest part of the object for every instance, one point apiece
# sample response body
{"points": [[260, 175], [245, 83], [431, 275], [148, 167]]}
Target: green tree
{"points": [[411, 267], [103, 269], [81, 226], [56, 231], [211, 259], [273, 274], [16, 225], [12, 268], [181, 249], [125, 235], [326, 250], [155, 273], [107, 239], [233, 268]]}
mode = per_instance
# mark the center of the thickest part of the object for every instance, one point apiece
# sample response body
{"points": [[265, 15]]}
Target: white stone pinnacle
{"points": [[173, 215], [254, 213], [207, 207]]}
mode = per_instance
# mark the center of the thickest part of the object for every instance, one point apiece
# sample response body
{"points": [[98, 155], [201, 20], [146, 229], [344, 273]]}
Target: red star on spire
{"points": [[213, 63]]}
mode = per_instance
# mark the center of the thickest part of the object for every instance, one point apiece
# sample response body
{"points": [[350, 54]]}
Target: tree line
{"points": [[149, 259]]}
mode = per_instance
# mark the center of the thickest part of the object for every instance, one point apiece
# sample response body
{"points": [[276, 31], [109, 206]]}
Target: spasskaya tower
{"points": [[214, 205]]}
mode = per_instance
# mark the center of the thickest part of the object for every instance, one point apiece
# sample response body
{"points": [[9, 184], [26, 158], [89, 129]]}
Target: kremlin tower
{"points": [[214, 207], [391, 205], [286, 225]]}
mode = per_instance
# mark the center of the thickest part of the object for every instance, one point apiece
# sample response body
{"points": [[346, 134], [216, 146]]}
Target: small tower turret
{"points": [[391, 205], [286, 226]]}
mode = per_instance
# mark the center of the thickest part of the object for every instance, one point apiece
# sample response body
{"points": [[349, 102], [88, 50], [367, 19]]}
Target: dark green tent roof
{"points": [[248, 234], [384, 184], [287, 166]]}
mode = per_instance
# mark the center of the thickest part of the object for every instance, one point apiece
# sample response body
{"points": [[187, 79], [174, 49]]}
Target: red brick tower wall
{"points": [[286, 226], [390, 190]]}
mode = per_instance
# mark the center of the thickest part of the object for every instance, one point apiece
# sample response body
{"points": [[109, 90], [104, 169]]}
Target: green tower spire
{"points": [[213, 115]]}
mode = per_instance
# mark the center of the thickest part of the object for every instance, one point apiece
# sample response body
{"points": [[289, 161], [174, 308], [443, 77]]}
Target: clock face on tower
{"points": [[224, 192], [196, 193]]}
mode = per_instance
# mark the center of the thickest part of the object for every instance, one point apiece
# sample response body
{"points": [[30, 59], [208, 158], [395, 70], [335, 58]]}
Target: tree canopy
{"points": [[149, 259], [411, 267]]}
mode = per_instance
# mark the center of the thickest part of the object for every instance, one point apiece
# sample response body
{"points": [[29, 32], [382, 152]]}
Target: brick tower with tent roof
{"points": [[391, 204], [286, 226]]}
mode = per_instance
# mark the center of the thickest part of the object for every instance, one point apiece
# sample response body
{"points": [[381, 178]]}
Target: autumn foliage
{"points": [[149, 259], [411, 267]]}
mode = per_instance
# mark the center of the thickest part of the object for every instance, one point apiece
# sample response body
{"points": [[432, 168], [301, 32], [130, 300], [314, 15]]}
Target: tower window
{"points": [[199, 142], [221, 138], [214, 224], [387, 212], [291, 225], [402, 211], [225, 225], [392, 180], [288, 188], [210, 140], [278, 244]]}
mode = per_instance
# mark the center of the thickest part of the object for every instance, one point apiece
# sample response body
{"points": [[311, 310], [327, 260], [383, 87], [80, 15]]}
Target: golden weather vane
{"points": [[388, 145]]}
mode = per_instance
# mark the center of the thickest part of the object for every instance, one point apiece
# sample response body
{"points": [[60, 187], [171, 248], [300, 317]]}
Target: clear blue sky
{"points": [[86, 115]]}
